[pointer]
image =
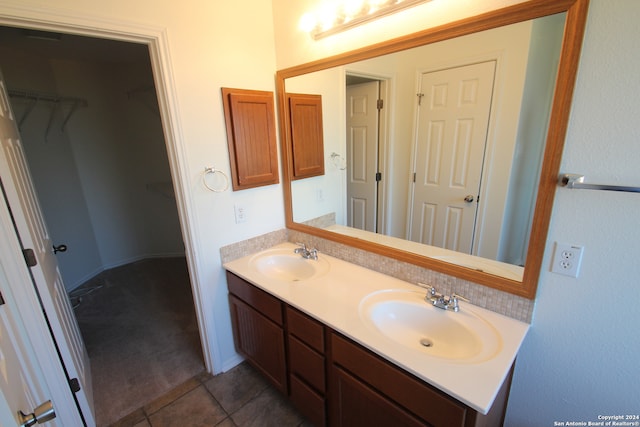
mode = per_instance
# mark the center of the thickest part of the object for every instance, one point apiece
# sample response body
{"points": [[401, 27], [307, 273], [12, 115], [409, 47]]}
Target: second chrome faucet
{"points": [[305, 252], [445, 302]]}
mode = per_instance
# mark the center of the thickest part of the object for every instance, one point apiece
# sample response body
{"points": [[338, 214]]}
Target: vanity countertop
{"points": [[334, 299]]}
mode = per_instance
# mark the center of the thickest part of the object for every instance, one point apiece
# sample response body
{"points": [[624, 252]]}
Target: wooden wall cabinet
{"points": [[251, 137], [334, 381], [307, 141]]}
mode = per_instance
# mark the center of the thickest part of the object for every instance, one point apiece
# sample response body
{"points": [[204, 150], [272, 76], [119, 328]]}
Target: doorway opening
{"points": [[92, 131], [366, 120]]}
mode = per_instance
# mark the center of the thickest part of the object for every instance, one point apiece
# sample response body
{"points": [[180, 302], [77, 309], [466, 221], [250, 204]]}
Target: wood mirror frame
{"points": [[576, 14]]}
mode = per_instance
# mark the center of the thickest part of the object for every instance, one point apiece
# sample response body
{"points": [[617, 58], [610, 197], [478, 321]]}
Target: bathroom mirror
{"points": [[506, 246]]}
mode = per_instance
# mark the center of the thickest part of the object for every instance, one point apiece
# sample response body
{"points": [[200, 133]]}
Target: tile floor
{"points": [[237, 398]]}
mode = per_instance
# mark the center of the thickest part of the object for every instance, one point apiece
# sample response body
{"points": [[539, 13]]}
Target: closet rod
{"points": [[39, 96], [35, 97], [575, 181]]}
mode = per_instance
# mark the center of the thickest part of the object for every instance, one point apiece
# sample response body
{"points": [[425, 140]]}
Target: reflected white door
{"points": [[362, 155], [33, 234], [453, 119]]}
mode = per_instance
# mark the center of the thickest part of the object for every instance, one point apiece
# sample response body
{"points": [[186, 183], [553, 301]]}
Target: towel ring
{"points": [[338, 161], [213, 171]]}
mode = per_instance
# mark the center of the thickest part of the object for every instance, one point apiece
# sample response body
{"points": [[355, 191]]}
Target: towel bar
{"points": [[575, 181]]}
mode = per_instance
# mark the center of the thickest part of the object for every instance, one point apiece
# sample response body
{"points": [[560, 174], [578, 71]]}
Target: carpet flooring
{"points": [[139, 326]]}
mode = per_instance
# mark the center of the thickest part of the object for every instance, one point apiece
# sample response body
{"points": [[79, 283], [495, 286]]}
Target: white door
{"points": [[33, 234], [22, 383], [453, 119], [362, 155]]}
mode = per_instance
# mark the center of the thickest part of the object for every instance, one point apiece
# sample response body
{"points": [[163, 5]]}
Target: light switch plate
{"points": [[241, 213]]}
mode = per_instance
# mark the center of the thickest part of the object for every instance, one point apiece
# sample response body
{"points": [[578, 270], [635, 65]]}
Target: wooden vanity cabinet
{"points": [[258, 329], [367, 390], [334, 381]]}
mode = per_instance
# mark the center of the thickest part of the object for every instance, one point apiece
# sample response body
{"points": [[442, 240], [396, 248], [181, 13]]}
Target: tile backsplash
{"points": [[498, 301]]}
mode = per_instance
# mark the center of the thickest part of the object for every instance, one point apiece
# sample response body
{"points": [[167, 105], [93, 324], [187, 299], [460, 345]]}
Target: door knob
{"points": [[469, 198], [59, 248], [43, 413]]}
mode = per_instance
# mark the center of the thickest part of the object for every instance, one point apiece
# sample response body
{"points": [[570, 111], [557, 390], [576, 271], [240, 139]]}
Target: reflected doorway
{"points": [[365, 156]]}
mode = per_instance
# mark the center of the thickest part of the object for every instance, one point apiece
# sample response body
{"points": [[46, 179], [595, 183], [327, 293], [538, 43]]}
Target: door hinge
{"points": [[414, 177], [74, 384], [419, 95], [378, 176], [30, 257], [380, 104]]}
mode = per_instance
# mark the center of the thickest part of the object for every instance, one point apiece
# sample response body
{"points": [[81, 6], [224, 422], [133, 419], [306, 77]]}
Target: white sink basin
{"points": [[285, 265], [406, 318]]}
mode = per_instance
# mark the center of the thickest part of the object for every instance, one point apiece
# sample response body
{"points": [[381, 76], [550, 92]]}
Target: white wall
{"points": [[577, 360], [580, 357], [92, 177], [210, 45], [307, 204], [546, 43], [119, 147], [53, 167]]}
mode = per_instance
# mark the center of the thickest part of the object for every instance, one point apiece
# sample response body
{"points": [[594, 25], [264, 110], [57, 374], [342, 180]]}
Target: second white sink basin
{"points": [[406, 318], [285, 265]]}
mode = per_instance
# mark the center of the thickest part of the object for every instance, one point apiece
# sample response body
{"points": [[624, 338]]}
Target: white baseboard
{"points": [[230, 363]]}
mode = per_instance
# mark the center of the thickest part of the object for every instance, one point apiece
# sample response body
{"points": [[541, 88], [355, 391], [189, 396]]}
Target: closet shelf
{"points": [[56, 100]]}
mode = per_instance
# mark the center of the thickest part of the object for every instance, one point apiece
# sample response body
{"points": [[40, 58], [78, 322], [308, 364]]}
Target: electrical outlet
{"points": [[567, 259], [241, 213]]}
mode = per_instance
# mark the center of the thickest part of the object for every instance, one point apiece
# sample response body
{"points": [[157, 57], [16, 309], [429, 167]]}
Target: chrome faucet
{"points": [[444, 302], [305, 252]]}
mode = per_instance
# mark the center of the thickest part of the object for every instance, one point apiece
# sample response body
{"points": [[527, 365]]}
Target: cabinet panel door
{"points": [[421, 399], [306, 135], [251, 137], [356, 404], [259, 340]]}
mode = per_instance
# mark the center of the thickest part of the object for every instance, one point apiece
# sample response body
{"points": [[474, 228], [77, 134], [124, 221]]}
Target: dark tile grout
{"points": [[145, 412]]}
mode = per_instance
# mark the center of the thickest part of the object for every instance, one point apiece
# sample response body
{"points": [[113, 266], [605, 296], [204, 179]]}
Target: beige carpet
{"points": [[138, 323]]}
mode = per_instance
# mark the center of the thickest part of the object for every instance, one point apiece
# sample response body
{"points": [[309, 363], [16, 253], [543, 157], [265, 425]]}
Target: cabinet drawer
{"points": [[306, 364], [419, 398], [306, 329], [308, 402], [265, 303]]}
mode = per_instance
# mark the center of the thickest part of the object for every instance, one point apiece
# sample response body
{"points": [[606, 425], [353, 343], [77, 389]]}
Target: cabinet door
{"points": [[356, 404], [396, 385], [251, 137], [259, 340], [306, 135]]}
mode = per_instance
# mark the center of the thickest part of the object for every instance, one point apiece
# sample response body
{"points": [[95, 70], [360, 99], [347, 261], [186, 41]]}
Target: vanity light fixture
{"points": [[334, 17]]}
